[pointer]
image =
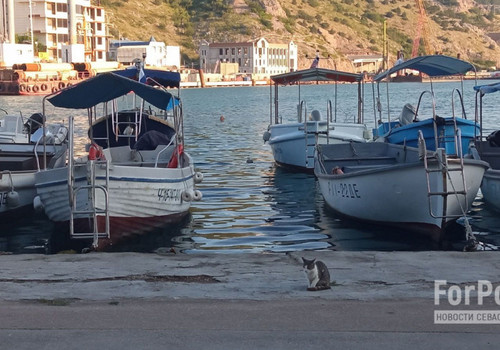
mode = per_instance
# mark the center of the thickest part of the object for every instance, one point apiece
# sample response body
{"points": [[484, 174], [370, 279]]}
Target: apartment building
{"points": [[253, 57], [58, 24]]}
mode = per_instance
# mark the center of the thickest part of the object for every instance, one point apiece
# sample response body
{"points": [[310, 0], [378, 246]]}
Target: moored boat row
{"points": [[416, 173]]}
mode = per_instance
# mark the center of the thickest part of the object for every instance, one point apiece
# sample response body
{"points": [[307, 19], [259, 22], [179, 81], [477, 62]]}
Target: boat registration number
{"points": [[344, 190], [169, 194]]}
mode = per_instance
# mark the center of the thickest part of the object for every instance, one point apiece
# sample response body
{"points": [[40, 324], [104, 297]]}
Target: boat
{"points": [[410, 188], [27, 146], [488, 149], [293, 143], [136, 175], [438, 131]]}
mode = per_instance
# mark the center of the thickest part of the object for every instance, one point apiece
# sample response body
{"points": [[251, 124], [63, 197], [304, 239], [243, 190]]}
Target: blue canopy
{"points": [[152, 76], [487, 89], [432, 65], [106, 87]]}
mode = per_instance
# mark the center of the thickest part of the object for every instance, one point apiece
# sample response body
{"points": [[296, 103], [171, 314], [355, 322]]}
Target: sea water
{"points": [[250, 205]]}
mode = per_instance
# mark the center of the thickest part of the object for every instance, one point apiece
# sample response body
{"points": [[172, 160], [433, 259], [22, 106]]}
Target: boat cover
{"points": [[487, 89], [106, 87], [316, 74], [152, 76], [432, 65]]}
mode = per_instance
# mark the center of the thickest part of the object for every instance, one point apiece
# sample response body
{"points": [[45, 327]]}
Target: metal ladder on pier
{"points": [[443, 167], [91, 188]]}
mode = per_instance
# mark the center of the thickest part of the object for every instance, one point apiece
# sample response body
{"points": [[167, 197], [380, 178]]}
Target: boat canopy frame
{"points": [[314, 75]]}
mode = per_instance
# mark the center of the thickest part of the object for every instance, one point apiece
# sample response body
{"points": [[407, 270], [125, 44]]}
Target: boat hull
{"points": [[17, 190], [408, 134], [396, 194], [490, 188], [292, 149], [139, 198]]}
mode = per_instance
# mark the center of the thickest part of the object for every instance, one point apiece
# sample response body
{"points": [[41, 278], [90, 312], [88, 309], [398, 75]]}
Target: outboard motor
{"points": [[407, 115], [34, 123]]}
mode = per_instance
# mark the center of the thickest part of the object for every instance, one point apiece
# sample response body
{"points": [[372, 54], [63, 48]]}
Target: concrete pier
{"points": [[241, 301]]}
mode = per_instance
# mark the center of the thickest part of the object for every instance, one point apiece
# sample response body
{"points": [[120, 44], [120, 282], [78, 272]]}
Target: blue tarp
{"points": [[152, 76], [106, 87], [432, 65], [487, 89]]}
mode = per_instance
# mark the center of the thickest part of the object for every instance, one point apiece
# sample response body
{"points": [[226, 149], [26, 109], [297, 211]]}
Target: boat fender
{"points": [[28, 88], [61, 135], [197, 195], [174, 160], [54, 89], [266, 136], [61, 85], [198, 177], [13, 199], [36, 88], [22, 88], [43, 87], [95, 152], [37, 204], [186, 196]]}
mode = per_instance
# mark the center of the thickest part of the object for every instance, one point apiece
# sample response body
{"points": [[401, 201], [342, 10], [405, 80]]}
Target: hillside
{"points": [[336, 28]]}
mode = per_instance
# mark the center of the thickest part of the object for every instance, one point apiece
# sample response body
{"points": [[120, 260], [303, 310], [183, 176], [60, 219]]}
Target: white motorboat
{"points": [[293, 143], [411, 188], [488, 149], [136, 176], [24, 151]]}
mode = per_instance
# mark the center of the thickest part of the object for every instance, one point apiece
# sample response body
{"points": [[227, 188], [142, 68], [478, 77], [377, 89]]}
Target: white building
{"points": [[155, 53], [53, 26], [252, 57]]}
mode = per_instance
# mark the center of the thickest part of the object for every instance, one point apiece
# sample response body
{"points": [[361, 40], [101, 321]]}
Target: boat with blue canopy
{"points": [[136, 174], [453, 131]]}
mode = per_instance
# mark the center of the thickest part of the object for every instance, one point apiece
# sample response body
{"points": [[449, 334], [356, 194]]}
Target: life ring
{"points": [[22, 88], [43, 87], [61, 85], [174, 160], [36, 88], [95, 152]]}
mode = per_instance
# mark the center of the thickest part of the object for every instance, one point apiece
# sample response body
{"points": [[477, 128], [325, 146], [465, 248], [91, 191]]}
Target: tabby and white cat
{"points": [[317, 274]]}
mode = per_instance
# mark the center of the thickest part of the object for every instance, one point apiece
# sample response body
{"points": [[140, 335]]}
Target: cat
{"points": [[317, 274]]}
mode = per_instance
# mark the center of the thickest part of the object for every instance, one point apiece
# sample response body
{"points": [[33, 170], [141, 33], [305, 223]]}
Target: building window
{"points": [[62, 7], [227, 52], [245, 50], [221, 52], [99, 12], [232, 51], [62, 23]]}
